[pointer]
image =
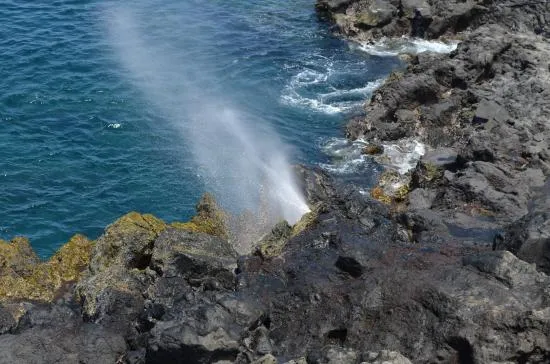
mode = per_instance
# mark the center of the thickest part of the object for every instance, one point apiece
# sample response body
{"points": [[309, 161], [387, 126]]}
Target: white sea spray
{"points": [[237, 155]]}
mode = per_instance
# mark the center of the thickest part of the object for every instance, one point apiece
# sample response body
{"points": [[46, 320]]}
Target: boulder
{"points": [[529, 237], [376, 14], [489, 110], [199, 258], [373, 149], [430, 169], [409, 8]]}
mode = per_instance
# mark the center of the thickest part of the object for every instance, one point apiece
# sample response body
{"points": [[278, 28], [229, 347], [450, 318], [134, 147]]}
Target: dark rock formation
{"points": [[373, 19], [487, 103], [416, 278], [346, 286], [529, 237]]}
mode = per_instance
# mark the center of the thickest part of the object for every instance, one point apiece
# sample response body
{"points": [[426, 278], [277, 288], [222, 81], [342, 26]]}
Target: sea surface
{"points": [[81, 144]]}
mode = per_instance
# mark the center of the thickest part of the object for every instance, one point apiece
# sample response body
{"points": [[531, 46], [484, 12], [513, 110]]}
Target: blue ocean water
{"points": [[80, 144]]}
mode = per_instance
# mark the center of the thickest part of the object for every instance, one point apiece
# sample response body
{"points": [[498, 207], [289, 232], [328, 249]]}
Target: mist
{"points": [[238, 156]]}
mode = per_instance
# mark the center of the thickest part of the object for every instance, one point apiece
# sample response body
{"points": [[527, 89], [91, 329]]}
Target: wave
{"points": [[299, 93], [391, 47], [347, 157]]}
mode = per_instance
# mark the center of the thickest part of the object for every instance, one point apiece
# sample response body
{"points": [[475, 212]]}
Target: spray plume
{"points": [[241, 159]]}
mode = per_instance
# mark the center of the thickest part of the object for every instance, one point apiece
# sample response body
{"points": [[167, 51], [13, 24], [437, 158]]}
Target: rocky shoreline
{"points": [[450, 267]]}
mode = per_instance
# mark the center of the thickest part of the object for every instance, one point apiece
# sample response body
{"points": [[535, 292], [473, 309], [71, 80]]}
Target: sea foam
{"points": [[391, 47]]}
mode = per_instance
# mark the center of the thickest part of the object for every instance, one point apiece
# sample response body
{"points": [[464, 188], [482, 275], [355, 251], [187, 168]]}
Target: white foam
{"points": [[404, 154], [355, 92], [333, 102], [295, 99], [308, 77], [391, 47], [114, 125], [347, 157]]}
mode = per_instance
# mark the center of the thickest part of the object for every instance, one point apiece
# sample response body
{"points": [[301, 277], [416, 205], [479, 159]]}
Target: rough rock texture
{"points": [[483, 110], [23, 276], [529, 237], [56, 334], [346, 286], [372, 19], [210, 219], [427, 276]]}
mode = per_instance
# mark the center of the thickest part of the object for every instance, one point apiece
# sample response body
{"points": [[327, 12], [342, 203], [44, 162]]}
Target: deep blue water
{"points": [[81, 144]]}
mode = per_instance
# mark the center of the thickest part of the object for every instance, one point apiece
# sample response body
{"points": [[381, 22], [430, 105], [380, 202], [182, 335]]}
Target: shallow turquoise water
{"points": [[81, 144]]}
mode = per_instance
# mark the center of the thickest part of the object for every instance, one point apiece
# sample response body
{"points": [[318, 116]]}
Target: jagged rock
{"points": [[83, 344], [272, 244], [529, 237], [373, 149], [111, 289], [24, 277], [17, 257], [127, 242], [7, 321], [431, 167], [409, 7], [210, 219], [348, 283], [377, 13], [54, 333], [199, 258]]}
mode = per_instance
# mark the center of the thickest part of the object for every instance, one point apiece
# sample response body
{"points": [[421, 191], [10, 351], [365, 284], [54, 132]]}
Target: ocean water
{"points": [[81, 143]]}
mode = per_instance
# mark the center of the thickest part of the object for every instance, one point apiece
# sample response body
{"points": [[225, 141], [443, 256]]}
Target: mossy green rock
{"points": [[127, 242], [308, 220], [210, 219], [24, 277], [273, 243], [392, 187], [373, 149], [17, 257], [118, 268]]}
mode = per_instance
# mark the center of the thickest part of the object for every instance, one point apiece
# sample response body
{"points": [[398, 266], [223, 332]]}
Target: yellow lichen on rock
{"points": [[273, 243], [16, 256], [69, 261], [41, 280], [126, 241], [432, 172], [210, 219], [378, 194], [391, 187], [307, 220]]}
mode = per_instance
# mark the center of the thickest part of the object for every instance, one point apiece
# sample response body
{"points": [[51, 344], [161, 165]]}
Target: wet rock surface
{"points": [[450, 267], [481, 110], [347, 287]]}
